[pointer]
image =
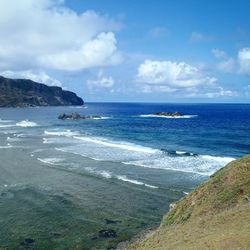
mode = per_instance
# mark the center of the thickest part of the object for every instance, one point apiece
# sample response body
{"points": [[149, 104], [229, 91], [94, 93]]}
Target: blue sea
{"points": [[63, 181]]}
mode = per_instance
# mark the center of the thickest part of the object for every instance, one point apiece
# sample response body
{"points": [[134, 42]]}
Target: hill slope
{"points": [[25, 93], [216, 215]]}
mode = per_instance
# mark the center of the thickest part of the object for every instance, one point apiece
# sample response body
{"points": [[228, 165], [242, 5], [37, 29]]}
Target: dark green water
{"points": [[62, 208]]}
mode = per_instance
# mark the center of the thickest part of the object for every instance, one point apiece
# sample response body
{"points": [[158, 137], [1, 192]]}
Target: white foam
{"points": [[117, 144], [180, 152], [202, 165], [109, 175], [66, 133], [168, 117], [51, 161], [102, 149], [12, 139], [26, 123], [101, 118], [6, 126], [222, 160], [102, 173], [136, 182], [8, 146]]}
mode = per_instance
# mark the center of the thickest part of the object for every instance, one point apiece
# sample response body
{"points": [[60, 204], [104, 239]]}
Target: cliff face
{"points": [[215, 215], [26, 93]]}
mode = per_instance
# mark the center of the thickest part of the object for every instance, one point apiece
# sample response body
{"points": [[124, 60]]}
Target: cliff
{"points": [[26, 93], [215, 215]]}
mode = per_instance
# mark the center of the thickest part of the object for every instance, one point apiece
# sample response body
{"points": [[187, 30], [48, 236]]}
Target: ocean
{"points": [[63, 182]]}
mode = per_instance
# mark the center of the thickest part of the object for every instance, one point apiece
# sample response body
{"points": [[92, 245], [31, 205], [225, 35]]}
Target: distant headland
{"points": [[27, 93]]}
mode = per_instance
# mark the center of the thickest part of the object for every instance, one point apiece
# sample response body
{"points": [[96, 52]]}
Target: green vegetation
{"points": [[215, 215]]}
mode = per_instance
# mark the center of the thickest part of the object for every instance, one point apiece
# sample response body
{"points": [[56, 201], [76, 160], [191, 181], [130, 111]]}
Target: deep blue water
{"points": [[207, 138]]}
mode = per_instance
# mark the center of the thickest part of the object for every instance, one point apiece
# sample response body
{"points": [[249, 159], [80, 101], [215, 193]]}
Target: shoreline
{"points": [[143, 235]]}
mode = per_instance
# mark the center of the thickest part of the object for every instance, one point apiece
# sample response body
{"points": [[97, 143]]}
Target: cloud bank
{"points": [[171, 74], [40, 77], [46, 34]]}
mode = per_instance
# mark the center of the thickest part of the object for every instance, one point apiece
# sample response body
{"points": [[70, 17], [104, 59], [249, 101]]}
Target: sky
{"points": [[188, 51]]}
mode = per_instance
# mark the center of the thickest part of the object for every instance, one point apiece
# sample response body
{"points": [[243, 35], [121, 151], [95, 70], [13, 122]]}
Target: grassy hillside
{"points": [[216, 215]]}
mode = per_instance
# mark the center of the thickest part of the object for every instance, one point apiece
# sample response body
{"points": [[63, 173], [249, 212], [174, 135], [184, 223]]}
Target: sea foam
{"points": [[168, 117], [103, 149], [26, 123]]}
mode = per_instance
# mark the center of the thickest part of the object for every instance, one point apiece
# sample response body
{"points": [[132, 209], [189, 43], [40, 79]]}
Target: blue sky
{"points": [[138, 51]]}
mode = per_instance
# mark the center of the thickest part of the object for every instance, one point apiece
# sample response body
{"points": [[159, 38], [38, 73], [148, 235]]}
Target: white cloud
{"points": [[171, 74], [101, 81], [46, 34], [219, 54], [147, 89], [157, 32], [196, 37], [40, 77], [226, 65], [221, 92], [100, 51], [210, 92], [244, 61]]}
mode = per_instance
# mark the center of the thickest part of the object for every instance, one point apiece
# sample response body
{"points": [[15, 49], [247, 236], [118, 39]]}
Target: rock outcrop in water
{"points": [[76, 116], [27, 93], [172, 114]]}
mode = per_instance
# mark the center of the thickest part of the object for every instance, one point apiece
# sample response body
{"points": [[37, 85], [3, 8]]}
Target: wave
{"points": [[7, 146], [136, 182], [3, 121], [103, 149], [168, 117], [77, 107], [26, 123], [51, 161], [101, 118], [66, 133], [6, 126], [201, 164], [102, 173], [11, 139], [109, 175], [117, 144]]}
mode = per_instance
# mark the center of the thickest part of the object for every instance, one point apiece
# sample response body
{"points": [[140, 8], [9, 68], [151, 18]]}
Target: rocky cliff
{"points": [[26, 93]]}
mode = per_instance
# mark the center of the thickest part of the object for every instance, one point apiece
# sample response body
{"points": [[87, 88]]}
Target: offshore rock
{"points": [[76, 116]]}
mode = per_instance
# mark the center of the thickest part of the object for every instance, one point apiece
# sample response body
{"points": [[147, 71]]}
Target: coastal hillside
{"points": [[27, 93], [215, 215]]}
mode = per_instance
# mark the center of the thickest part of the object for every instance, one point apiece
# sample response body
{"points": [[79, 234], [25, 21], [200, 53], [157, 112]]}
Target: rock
{"points": [[27, 242], [172, 114], [247, 198], [62, 116], [171, 206], [76, 116], [107, 233], [112, 221]]}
